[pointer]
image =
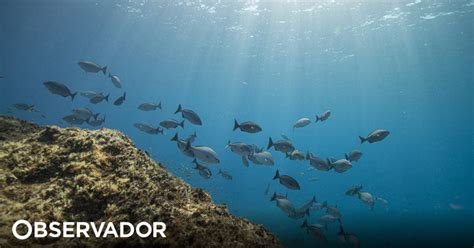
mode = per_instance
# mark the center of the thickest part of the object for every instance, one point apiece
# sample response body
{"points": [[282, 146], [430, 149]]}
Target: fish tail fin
{"points": [[329, 161], [228, 144], [175, 137], [273, 196], [159, 105], [194, 161], [73, 95], [245, 161], [124, 95], [362, 139], [96, 115], [161, 131], [270, 143], [287, 155], [305, 223], [236, 125], [345, 156], [104, 70], [178, 110], [188, 146], [317, 119], [277, 175], [307, 156], [110, 75], [107, 97], [182, 124]]}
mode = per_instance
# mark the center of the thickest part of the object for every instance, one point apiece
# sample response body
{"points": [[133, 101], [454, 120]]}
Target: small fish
{"points": [[25, 107], [89, 66], [149, 106], [341, 165], [375, 136], [334, 211], [240, 148], [280, 145], [308, 205], [303, 122], [147, 128], [96, 121], [354, 190], [115, 80], [189, 115], [354, 155], [287, 181], [324, 116], [295, 155], [285, 137], [318, 163], [99, 98], [366, 198], [298, 214], [382, 200], [225, 174], [327, 218], [203, 170], [171, 123], [59, 89], [203, 153], [248, 127], [347, 239], [73, 120], [120, 100], [84, 113], [89, 94]]}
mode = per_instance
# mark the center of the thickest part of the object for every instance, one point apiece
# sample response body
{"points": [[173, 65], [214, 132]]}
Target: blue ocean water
{"points": [[404, 66]]}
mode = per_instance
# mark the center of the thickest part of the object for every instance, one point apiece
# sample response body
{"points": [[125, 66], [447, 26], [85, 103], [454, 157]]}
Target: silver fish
{"points": [[318, 163], [295, 155], [96, 122], [189, 115], [341, 165], [239, 148], [261, 158], [203, 153], [73, 120], [375, 136], [280, 145], [203, 170], [25, 107], [287, 181], [59, 89], [89, 66], [285, 205], [115, 80], [354, 190], [354, 155], [308, 205], [276, 196], [99, 98], [324, 116], [298, 214], [84, 113], [147, 128], [149, 106], [248, 127], [89, 94], [303, 122], [171, 123], [316, 230], [366, 198]]}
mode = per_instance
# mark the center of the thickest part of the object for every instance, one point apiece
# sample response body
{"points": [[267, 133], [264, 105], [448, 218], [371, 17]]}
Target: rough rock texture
{"points": [[54, 174]]}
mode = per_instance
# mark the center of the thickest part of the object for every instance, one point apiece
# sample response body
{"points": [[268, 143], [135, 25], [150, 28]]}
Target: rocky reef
{"points": [[70, 174]]}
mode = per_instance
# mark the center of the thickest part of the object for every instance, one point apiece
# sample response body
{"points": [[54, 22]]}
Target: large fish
{"points": [[248, 126], [89, 66], [276, 196], [189, 115], [59, 89], [295, 155], [285, 205], [366, 198], [149, 106], [287, 181], [240, 148], [318, 163], [341, 165], [73, 120], [284, 146], [375, 136]]}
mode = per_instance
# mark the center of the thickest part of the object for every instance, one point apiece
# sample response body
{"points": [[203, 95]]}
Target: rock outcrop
{"points": [[55, 174]]}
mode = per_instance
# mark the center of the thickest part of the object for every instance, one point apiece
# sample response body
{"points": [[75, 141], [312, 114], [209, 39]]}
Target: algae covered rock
{"points": [[54, 174]]}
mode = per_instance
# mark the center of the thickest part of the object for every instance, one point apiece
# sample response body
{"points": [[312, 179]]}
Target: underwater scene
{"points": [[330, 123]]}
